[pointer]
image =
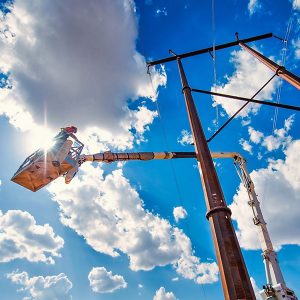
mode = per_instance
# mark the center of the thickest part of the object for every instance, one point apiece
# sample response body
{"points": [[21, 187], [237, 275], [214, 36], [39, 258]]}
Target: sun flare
{"points": [[40, 137]]}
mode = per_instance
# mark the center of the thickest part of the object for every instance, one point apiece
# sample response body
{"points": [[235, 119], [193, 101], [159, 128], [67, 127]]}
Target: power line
{"points": [[179, 194], [214, 56], [283, 61]]}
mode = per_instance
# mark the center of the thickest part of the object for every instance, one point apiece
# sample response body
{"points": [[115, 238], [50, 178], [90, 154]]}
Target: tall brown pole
{"points": [[233, 272], [279, 70]]}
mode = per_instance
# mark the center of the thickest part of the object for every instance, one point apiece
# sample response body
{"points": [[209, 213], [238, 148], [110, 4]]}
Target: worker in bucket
{"points": [[63, 144], [66, 132]]}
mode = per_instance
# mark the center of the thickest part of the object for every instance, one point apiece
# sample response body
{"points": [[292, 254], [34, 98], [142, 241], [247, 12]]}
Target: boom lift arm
{"points": [[275, 287], [65, 158]]}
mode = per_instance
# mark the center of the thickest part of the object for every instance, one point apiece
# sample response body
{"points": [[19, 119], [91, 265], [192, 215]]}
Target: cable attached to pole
{"points": [[165, 137], [213, 55]]}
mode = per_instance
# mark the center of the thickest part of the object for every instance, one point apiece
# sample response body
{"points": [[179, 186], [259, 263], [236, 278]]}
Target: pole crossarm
{"points": [[291, 107], [210, 49]]}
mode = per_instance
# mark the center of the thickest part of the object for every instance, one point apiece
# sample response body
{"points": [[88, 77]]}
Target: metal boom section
{"points": [[275, 287]]}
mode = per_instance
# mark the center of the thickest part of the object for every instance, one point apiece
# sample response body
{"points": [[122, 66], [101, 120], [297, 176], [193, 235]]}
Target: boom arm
{"points": [[275, 287], [110, 157], [65, 158]]}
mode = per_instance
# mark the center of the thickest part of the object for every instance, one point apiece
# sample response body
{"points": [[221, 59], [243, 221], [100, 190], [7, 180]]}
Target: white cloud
{"points": [[186, 138], [140, 286], [288, 123], [16, 113], [253, 6], [43, 288], [246, 80], [175, 279], [296, 4], [255, 135], [161, 294], [103, 281], [113, 220], [278, 189], [280, 138], [259, 156], [255, 288], [98, 139], [246, 146], [246, 121], [190, 266], [21, 237], [296, 45], [82, 71], [179, 213], [140, 119], [162, 12]]}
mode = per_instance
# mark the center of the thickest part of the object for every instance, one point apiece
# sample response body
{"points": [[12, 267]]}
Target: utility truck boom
{"points": [[275, 287], [64, 159]]}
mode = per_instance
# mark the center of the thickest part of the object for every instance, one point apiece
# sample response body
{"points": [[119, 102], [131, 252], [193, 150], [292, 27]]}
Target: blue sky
{"points": [[113, 232]]}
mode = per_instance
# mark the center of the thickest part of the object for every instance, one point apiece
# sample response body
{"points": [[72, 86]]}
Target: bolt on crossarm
{"points": [[234, 275]]}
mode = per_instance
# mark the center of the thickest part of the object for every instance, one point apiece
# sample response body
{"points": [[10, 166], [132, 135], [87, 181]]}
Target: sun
{"points": [[39, 137]]}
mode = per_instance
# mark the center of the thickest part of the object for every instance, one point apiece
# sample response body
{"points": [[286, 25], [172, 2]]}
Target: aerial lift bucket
{"points": [[45, 165]]}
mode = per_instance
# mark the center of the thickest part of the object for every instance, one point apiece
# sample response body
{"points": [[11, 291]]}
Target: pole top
{"points": [[237, 36]]}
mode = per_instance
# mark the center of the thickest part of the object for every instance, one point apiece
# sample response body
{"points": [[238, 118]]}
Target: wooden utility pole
{"points": [[279, 70], [234, 275]]}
